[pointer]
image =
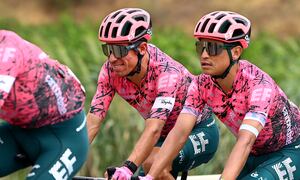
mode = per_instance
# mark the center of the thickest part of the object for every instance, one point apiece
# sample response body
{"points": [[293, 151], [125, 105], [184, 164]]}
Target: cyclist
{"points": [[246, 99], [41, 103], [155, 85]]}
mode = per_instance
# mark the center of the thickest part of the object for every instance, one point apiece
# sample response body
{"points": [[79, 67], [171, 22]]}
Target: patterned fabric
{"points": [[34, 89], [254, 96], [161, 94]]}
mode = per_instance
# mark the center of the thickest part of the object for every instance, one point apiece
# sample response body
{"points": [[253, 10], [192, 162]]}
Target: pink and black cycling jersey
{"points": [[254, 96], [161, 94], [34, 89]]}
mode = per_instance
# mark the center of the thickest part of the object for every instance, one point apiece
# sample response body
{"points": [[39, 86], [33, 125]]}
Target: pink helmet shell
{"points": [[125, 26], [224, 26]]}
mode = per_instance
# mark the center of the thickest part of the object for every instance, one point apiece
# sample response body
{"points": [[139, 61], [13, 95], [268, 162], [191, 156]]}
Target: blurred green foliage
{"points": [[76, 45]]}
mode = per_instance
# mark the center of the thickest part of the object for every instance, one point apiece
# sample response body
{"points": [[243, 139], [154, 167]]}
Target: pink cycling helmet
{"points": [[125, 26], [225, 26]]}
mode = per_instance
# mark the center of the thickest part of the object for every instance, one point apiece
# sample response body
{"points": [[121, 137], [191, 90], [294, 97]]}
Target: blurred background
{"points": [[67, 31]]}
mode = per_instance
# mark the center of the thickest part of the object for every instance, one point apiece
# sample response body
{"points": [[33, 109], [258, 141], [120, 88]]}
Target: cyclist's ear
{"points": [[143, 48], [236, 52]]}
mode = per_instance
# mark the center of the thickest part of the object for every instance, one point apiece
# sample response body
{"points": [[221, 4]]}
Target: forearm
{"points": [[237, 159], [93, 126], [168, 152], [144, 145], [173, 144]]}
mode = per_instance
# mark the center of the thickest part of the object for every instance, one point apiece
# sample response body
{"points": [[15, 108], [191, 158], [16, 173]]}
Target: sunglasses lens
{"points": [[212, 48], [123, 51], [199, 47], [105, 50], [118, 50], [215, 48]]}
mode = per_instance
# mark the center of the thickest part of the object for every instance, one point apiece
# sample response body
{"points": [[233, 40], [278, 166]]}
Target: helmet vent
{"points": [[120, 19], [220, 16], [197, 28], [105, 19], [238, 33], [241, 21], [113, 16], [139, 18], [140, 31], [114, 32], [224, 27], [132, 11], [101, 30], [126, 28], [204, 25], [107, 29], [212, 27]]}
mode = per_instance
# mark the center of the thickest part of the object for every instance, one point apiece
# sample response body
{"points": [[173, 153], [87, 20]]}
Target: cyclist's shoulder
{"points": [[8, 33], [252, 74], [162, 62], [10, 39]]}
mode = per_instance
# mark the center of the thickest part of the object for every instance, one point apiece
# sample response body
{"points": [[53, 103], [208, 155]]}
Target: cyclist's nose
{"points": [[112, 58], [204, 53]]}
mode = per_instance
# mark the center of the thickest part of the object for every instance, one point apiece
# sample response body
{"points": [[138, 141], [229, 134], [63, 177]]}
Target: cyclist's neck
{"points": [[226, 84], [137, 78]]}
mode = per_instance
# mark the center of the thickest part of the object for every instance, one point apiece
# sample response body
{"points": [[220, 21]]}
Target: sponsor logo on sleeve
{"points": [[164, 102], [6, 82], [261, 94]]}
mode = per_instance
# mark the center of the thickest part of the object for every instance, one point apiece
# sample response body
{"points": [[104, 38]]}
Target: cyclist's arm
{"points": [[174, 143], [93, 125], [100, 102], [241, 150], [10, 62], [147, 140]]}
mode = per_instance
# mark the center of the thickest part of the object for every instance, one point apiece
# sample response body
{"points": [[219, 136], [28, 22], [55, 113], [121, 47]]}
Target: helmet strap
{"points": [[232, 62], [138, 66]]}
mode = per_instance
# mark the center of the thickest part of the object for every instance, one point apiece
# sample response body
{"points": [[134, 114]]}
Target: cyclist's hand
{"points": [[109, 172], [119, 173], [148, 177]]}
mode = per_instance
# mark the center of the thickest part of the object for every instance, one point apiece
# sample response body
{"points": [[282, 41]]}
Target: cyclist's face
{"points": [[213, 56], [122, 59]]}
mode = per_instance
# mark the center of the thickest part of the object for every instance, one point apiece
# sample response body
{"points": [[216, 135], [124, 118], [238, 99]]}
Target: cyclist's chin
{"points": [[120, 70], [121, 73], [208, 71]]}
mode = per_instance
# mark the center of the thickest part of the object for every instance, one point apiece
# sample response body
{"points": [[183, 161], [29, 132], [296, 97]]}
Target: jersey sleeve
{"points": [[104, 94], [194, 102], [262, 95], [11, 59], [167, 89]]}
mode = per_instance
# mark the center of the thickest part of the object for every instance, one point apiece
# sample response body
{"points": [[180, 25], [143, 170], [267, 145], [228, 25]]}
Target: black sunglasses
{"points": [[118, 51], [212, 48]]}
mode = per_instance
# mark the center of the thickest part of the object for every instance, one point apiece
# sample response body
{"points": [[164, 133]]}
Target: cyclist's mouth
{"points": [[206, 64]]}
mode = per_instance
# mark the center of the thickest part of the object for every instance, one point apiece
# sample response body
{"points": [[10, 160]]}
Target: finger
{"points": [[110, 172]]}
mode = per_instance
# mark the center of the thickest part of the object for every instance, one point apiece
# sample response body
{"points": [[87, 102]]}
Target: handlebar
{"points": [[86, 178]]}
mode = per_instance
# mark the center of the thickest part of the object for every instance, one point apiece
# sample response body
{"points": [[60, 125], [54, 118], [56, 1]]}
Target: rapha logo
{"points": [[165, 102]]}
